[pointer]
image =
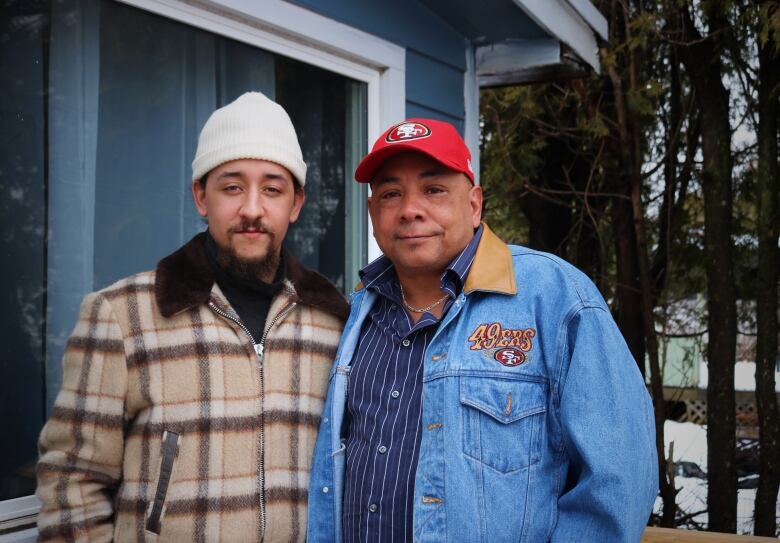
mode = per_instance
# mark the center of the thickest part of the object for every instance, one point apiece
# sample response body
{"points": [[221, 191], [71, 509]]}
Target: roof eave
{"points": [[575, 23]]}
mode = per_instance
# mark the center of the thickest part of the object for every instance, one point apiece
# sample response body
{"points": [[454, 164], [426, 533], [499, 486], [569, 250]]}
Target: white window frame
{"points": [[285, 29]]}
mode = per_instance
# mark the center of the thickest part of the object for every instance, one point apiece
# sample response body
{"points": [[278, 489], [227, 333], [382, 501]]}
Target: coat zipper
{"points": [[260, 352]]}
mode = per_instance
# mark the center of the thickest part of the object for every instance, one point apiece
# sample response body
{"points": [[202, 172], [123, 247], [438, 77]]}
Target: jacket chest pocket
{"points": [[502, 421]]}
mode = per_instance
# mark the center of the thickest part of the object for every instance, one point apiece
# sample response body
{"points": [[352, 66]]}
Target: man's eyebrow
{"points": [[228, 175], [234, 175], [385, 179], [274, 176]]}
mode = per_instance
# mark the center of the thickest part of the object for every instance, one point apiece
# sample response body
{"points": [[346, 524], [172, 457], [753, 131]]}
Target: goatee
{"points": [[253, 269]]}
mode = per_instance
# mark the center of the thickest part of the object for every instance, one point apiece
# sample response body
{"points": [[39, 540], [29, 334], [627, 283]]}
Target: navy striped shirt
{"points": [[384, 405]]}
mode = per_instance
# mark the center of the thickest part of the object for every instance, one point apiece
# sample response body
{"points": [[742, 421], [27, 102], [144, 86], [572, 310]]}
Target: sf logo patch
{"points": [[408, 131], [510, 357], [511, 344]]}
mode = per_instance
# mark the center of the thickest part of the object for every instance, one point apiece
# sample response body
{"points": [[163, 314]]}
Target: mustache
{"points": [[246, 224]]}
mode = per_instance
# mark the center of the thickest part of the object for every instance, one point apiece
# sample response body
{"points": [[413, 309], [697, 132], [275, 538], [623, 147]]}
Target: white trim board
{"points": [[19, 514], [570, 21], [592, 16], [504, 57], [19, 507], [471, 103]]}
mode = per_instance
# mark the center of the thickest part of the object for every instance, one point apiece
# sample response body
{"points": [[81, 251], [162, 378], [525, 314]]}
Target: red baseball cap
{"points": [[437, 139]]}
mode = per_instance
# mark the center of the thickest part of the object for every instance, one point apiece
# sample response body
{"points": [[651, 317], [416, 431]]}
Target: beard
{"points": [[253, 269]]}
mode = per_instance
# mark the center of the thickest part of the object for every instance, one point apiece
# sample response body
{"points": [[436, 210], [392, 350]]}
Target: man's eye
{"points": [[434, 190], [232, 188], [390, 194], [273, 190]]}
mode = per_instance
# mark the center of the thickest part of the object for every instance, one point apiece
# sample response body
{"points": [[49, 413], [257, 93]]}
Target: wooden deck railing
{"points": [[668, 535]]}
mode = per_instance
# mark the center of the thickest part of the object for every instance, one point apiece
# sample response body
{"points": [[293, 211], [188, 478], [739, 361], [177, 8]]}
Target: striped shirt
{"points": [[384, 405]]}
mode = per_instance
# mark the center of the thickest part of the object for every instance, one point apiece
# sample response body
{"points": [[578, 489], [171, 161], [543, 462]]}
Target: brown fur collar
{"points": [[184, 279]]}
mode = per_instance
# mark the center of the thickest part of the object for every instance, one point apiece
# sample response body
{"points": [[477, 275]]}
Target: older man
{"points": [[191, 394], [481, 392]]}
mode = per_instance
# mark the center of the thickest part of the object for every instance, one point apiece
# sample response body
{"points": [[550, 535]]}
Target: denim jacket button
{"points": [[325, 490]]}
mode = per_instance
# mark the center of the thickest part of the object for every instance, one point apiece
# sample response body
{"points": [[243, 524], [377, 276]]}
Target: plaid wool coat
{"points": [[169, 425]]}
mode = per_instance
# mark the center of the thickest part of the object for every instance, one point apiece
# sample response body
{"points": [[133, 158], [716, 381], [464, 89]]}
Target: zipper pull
{"points": [[259, 351]]}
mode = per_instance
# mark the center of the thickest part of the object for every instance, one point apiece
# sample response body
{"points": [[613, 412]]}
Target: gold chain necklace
{"points": [[420, 309]]}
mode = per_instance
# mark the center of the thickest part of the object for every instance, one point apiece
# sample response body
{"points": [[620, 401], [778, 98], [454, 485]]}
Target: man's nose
{"points": [[412, 206], [252, 206]]}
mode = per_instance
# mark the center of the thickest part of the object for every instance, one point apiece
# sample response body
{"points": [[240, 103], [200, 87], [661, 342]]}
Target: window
{"points": [[100, 107]]}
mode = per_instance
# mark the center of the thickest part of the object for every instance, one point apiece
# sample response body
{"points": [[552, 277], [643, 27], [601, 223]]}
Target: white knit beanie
{"points": [[250, 127]]}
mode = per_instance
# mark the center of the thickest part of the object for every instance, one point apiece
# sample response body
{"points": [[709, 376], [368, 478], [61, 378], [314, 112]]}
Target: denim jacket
{"points": [[536, 422]]}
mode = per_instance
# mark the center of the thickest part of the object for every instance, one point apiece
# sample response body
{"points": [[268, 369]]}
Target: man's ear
{"points": [[199, 196], [371, 210], [298, 199], [475, 202]]}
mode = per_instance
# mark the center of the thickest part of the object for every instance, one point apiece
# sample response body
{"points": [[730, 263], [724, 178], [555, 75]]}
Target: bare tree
{"points": [[768, 188], [702, 54]]}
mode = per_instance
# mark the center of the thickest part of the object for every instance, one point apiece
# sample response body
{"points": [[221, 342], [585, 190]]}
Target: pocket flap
{"points": [[505, 400]]}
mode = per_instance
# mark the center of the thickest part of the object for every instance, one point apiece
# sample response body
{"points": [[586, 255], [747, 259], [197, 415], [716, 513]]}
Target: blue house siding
{"points": [[407, 23], [435, 52], [434, 85], [417, 110]]}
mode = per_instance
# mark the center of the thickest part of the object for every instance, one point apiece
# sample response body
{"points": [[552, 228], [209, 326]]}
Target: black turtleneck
{"points": [[250, 298]]}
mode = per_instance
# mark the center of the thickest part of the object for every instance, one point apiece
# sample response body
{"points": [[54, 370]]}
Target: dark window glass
{"points": [[23, 247]]}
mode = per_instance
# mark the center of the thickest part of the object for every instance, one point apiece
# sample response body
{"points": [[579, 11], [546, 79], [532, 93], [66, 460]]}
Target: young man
{"points": [[481, 392], [191, 394]]}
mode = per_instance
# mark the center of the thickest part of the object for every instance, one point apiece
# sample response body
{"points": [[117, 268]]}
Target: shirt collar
{"points": [[381, 271]]}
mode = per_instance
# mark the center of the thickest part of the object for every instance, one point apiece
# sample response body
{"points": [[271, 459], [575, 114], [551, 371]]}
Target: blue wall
{"points": [[435, 52]]}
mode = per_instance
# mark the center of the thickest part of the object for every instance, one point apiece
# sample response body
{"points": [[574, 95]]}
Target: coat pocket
{"points": [[502, 421], [168, 453]]}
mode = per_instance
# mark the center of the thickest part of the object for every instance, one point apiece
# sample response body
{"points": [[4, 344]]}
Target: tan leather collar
{"points": [[492, 269]]}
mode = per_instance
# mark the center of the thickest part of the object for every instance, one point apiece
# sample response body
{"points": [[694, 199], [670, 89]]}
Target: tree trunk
{"points": [[766, 289], [721, 305], [628, 293], [634, 238], [701, 57]]}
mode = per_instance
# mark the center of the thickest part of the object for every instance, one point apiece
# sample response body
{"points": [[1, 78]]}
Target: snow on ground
{"points": [[744, 376], [690, 445]]}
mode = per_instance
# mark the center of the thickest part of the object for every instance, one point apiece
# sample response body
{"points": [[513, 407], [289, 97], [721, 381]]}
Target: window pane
{"points": [[23, 227], [101, 104], [318, 112]]}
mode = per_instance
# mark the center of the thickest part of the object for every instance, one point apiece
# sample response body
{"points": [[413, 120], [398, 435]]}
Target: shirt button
{"points": [[395, 394], [325, 489], [373, 508], [382, 449], [406, 343]]}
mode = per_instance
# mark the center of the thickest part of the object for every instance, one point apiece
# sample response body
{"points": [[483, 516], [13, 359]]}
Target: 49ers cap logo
{"points": [[407, 131], [510, 357]]}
